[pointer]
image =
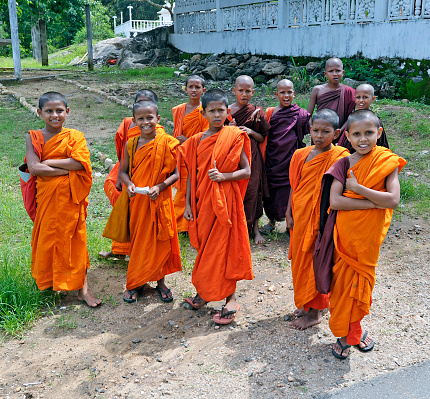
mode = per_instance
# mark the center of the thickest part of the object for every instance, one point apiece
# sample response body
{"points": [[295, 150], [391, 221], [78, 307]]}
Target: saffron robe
{"points": [[122, 135], [154, 247], [340, 100], [305, 179], [288, 127], [257, 185], [382, 141], [358, 236], [218, 230], [186, 125], [59, 255]]}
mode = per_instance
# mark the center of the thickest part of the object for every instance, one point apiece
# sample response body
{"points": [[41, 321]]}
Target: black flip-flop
{"points": [[336, 355], [367, 348], [164, 299], [131, 293]]}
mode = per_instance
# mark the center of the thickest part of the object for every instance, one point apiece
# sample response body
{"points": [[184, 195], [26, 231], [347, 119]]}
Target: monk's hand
{"points": [[215, 174], [154, 192], [118, 184], [352, 183], [290, 221], [256, 115], [182, 139], [233, 122], [247, 130], [188, 213], [130, 190]]}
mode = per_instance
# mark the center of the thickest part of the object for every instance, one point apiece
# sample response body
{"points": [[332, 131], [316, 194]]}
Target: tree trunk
{"points": [[43, 42], [89, 38]]}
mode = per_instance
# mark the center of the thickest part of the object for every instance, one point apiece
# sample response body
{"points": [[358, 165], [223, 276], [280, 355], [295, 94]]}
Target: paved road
{"points": [[408, 383]]}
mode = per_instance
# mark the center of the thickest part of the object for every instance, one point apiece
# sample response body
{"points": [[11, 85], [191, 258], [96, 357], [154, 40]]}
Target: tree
{"points": [[167, 4]]}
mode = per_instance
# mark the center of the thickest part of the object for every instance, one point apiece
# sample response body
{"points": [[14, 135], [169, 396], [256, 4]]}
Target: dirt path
{"points": [[150, 349]]}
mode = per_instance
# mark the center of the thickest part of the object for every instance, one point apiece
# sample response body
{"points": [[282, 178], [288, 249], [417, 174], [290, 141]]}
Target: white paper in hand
{"points": [[141, 190]]}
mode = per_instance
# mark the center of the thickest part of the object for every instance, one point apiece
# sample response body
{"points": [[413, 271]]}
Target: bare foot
{"points": [[89, 298], [110, 254], [310, 319], [341, 352], [230, 305], [258, 238], [197, 302], [299, 312]]}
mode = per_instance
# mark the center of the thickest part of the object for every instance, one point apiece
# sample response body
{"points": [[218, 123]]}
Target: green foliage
{"points": [[100, 23]]}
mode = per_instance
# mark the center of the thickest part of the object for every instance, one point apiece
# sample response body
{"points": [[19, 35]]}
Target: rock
{"points": [[287, 317], [110, 49], [111, 167], [405, 100], [417, 79], [108, 162], [223, 75], [182, 68], [177, 73], [274, 68], [352, 83], [210, 72], [290, 378], [136, 340], [313, 67], [74, 61]]}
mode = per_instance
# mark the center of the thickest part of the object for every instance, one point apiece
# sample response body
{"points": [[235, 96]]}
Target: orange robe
{"points": [[218, 231], [123, 134], [154, 249], [358, 236], [59, 256], [305, 180], [186, 125]]}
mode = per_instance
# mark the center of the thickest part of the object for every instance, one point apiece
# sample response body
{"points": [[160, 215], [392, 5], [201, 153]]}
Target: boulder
{"points": [[155, 38], [313, 67], [110, 49], [274, 68], [210, 72], [352, 83], [223, 75]]}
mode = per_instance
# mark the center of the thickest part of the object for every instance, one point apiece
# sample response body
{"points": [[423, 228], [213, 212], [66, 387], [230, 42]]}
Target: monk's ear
{"points": [[39, 112], [202, 111], [134, 120], [204, 89], [373, 99], [158, 118], [67, 111], [336, 134], [380, 132], [347, 135]]}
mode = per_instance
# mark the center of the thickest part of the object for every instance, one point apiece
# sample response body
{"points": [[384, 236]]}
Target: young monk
{"points": [[154, 247], [188, 121], [113, 184], [307, 168], [288, 125], [59, 256], [364, 97], [218, 165], [333, 94], [242, 113], [364, 212]]}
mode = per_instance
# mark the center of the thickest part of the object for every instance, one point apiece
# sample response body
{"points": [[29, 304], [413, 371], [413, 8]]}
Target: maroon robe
{"points": [[341, 100], [257, 185], [288, 127]]}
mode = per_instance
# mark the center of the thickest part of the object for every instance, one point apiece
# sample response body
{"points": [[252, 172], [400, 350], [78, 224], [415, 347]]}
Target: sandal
{"points": [[131, 293], [367, 348], [166, 298], [336, 355], [219, 318]]}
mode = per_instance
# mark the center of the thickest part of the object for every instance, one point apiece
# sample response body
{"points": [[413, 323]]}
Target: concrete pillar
{"points": [[282, 13], [13, 19], [219, 26], [43, 42], [89, 38], [35, 40], [381, 10]]}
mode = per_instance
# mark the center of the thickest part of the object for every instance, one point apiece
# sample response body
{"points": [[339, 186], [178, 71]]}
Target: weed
{"points": [[112, 300], [66, 322]]}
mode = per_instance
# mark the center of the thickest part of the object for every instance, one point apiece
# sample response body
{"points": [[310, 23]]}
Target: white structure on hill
{"points": [[134, 26]]}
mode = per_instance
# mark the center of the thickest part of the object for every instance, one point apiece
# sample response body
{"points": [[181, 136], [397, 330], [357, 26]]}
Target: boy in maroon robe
{"points": [[288, 125], [333, 94], [257, 128]]}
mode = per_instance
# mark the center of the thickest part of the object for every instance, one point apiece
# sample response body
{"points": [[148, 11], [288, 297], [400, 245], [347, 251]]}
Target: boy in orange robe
{"points": [[243, 114], [364, 212], [188, 121], [113, 185], [59, 256], [218, 165], [333, 94], [307, 168], [154, 245]]}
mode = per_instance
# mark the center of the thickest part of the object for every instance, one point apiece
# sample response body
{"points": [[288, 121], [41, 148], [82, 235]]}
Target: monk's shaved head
{"points": [[51, 96], [333, 61], [285, 83], [366, 88], [362, 115], [145, 104], [146, 95], [244, 79]]}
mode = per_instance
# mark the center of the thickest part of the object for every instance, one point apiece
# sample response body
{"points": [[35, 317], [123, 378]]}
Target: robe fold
{"points": [[382, 141], [257, 185], [218, 230], [186, 125], [59, 256], [154, 245], [288, 127], [305, 179], [340, 100], [122, 135], [358, 236]]}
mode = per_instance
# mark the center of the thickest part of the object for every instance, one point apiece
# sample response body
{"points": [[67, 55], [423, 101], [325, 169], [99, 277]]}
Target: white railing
{"points": [[134, 26], [194, 16]]}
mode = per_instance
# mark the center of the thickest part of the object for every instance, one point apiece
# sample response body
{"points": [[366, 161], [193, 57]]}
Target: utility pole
{"points": [[13, 18], [89, 38]]}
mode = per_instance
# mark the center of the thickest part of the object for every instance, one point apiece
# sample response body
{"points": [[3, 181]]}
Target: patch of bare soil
{"points": [[150, 349]]}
